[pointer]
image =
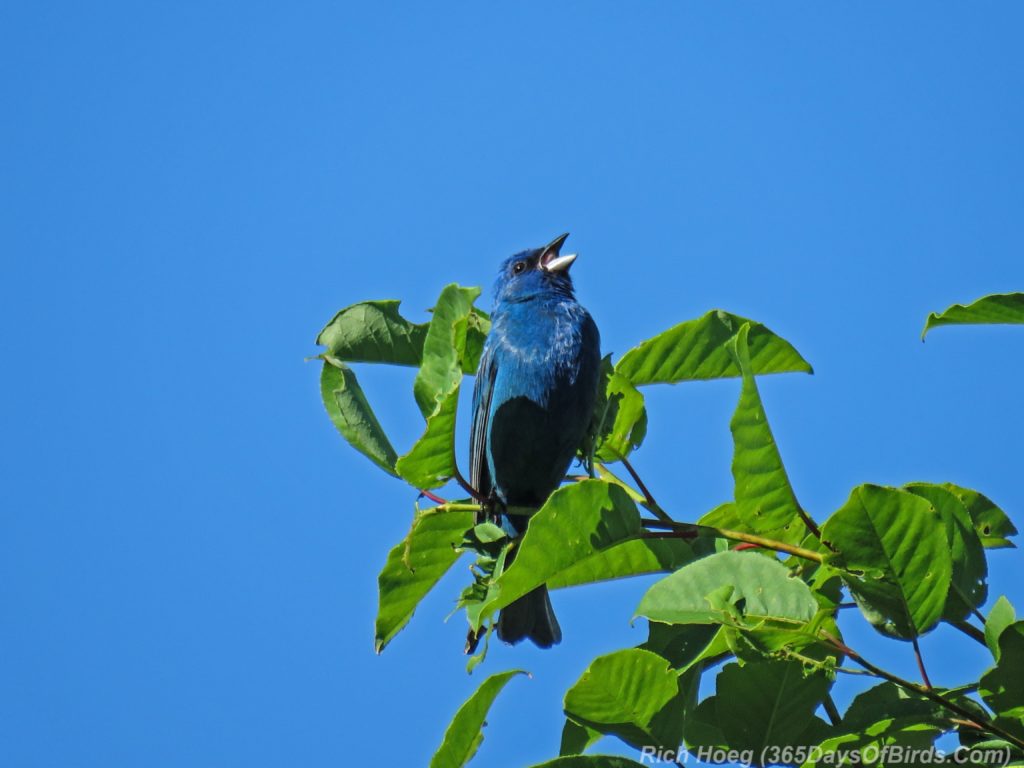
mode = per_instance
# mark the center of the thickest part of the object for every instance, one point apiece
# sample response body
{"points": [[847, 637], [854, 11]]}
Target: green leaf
{"points": [[887, 705], [968, 589], [883, 716], [701, 728], [764, 498], [576, 738], [579, 522], [444, 347], [352, 415], [766, 704], [589, 761], [892, 547], [995, 308], [1002, 687], [633, 694], [373, 332], [415, 565], [993, 526], [698, 349], [464, 734], [633, 557], [759, 587], [684, 645], [624, 423], [430, 463], [999, 618]]}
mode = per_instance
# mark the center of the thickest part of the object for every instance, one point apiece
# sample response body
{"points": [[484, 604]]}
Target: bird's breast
{"points": [[539, 350]]}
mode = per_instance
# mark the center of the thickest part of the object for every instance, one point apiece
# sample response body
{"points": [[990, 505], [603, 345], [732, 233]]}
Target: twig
{"points": [[432, 496], [473, 492], [459, 506], [981, 722], [811, 525], [670, 534], [970, 630], [652, 505], [920, 663], [688, 530]]}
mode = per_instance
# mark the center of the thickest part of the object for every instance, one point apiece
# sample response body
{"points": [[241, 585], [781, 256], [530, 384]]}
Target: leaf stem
{"points": [[473, 492], [459, 506], [808, 521], [688, 530], [830, 709], [970, 630], [920, 663], [432, 496], [982, 723]]}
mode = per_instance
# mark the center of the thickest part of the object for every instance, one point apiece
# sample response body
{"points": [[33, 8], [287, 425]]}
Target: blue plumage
{"points": [[532, 403]]}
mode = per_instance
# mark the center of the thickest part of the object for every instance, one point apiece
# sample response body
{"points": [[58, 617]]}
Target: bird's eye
{"points": [[519, 267]]}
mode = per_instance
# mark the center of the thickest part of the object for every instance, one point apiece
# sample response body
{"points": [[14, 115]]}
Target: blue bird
{"points": [[532, 404]]}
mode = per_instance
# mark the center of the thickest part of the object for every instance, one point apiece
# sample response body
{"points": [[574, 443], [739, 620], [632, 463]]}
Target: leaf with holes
{"points": [[892, 550], [992, 524], [968, 589]]}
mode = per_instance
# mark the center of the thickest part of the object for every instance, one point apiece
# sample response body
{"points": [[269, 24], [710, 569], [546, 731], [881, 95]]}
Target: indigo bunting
{"points": [[532, 405]]}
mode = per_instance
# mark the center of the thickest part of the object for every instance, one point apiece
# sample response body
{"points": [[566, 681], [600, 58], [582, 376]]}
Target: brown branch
{"points": [[981, 723], [920, 663], [473, 492], [689, 530], [808, 521], [652, 505], [432, 496], [970, 630]]}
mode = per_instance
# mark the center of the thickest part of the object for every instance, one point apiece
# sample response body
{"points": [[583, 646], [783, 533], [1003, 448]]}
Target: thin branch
{"points": [[970, 630], [669, 534], [652, 505], [459, 506], [920, 663], [981, 722], [473, 492], [425, 494], [688, 530], [808, 521], [745, 546]]}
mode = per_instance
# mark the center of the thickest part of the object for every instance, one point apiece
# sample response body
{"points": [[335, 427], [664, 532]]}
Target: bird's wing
{"points": [[483, 391]]}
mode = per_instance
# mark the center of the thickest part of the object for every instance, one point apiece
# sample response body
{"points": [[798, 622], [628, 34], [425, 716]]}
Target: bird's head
{"points": [[535, 273]]}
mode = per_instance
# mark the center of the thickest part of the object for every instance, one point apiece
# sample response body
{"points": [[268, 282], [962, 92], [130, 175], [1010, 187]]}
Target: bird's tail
{"points": [[530, 616]]}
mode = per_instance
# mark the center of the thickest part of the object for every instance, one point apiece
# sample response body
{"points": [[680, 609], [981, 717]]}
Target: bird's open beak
{"points": [[551, 261]]}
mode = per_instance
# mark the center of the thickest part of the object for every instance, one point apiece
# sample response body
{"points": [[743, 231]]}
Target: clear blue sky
{"points": [[188, 551]]}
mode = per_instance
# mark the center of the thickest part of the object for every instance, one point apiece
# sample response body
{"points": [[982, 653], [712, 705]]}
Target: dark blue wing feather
{"points": [[483, 392]]}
